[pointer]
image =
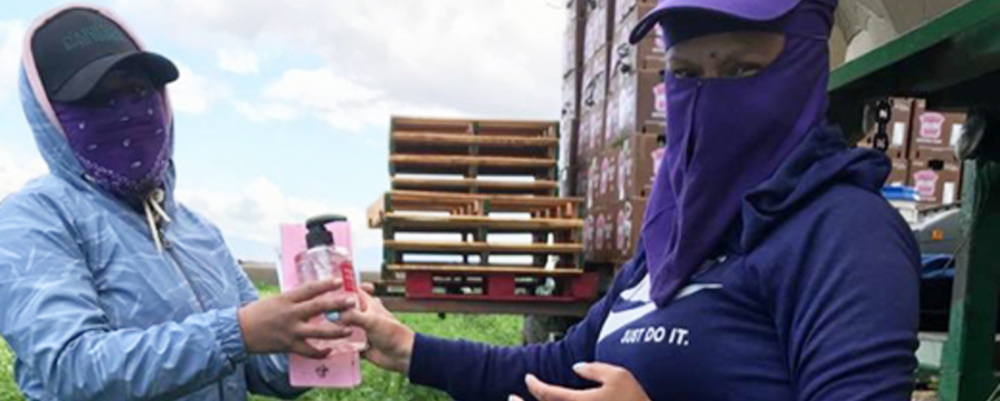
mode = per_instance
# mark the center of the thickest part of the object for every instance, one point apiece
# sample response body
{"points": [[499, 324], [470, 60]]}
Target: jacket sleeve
{"points": [[848, 309], [265, 374], [51, 317], [474, 371]]}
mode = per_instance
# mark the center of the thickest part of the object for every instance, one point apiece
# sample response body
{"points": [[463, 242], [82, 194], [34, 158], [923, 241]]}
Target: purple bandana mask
{"points": [[727, 136], [124, 144]]}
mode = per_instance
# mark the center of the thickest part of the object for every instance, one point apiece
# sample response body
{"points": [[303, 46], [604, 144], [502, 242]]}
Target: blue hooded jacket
{"points": [[94, 311]]}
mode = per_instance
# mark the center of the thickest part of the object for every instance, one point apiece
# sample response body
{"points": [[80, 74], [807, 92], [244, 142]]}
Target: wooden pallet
{"points": [[445, 179], [555, 225], [477, 186], [467, 155]]}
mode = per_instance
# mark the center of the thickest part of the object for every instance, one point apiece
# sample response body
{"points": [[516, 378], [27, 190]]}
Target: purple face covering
{"points": [[123, 144], [727, 136]]}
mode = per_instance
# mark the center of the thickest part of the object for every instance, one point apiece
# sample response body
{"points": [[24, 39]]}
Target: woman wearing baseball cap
{"points": [[109, 288], [770, 267]]}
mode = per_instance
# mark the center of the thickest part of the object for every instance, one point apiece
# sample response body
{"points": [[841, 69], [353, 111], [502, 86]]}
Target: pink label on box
{"points": [[931, 125], [623, 238], [335, 371], [926, 183], [660, 94]]}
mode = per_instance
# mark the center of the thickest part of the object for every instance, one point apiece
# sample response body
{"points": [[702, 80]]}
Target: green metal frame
{"points": [[967, 365], [952, 61]]}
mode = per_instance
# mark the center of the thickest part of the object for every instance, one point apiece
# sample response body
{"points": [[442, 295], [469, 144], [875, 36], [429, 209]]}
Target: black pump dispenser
{"points": [[318, 235]]}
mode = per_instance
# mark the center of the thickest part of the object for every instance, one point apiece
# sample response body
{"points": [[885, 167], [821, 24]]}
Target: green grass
{"points": [[377, 384], [8, 389]]}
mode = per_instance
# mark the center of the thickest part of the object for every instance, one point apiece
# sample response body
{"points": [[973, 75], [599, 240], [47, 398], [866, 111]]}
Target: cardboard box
{"points": [[641, 103], [593, 140], [898, 129], [569, 131], [595, 78], [602, 177], [593, 180], [900, 172], [593, 103], [935, 133], [937, 182], [636, 164], [628, 227], [611, 124], [597, 32], [574, 36], [580, 184], [648, 54], [599, 235], [583, 140], [571, 95]]}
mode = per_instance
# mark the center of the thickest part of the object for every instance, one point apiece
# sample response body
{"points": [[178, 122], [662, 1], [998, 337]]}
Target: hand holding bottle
{"points": [[282, 323]]}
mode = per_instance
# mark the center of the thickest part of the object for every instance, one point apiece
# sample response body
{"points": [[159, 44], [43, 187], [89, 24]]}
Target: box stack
{"points": [[569, 124], [597, 21], [622, 134], [922, 150], [935, 170]]}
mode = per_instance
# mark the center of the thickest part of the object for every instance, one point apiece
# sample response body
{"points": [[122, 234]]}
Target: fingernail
{"points": [[578, 366], [351, 302], [528, 377], [513, 398], [333, 316]]}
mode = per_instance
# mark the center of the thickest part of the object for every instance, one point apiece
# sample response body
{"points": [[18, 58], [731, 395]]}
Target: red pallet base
{"points": [[496, 287]]}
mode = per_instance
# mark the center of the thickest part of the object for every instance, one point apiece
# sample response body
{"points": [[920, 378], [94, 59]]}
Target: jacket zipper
{"points": [[175, 262]]}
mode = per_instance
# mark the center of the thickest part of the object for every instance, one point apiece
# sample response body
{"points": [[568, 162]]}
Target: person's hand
{"points": [[390, 342], [281, 323], [617, 384]]}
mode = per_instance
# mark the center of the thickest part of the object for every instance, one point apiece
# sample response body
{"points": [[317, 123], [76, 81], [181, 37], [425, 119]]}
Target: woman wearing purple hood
{"points": [[771, 268]]}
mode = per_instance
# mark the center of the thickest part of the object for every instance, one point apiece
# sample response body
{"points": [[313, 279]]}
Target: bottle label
{"points": [[343, 263]]}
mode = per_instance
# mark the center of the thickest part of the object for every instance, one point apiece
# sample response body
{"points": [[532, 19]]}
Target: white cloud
{"points": [[325, 95], [11, 37], [316, 86], [193, 93], [239, 61], [17, 171], [477, 57], [257, 211], [259, 113]]}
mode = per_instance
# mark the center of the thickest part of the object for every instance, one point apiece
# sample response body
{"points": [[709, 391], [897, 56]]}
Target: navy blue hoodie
{"points": [[813, 298]]}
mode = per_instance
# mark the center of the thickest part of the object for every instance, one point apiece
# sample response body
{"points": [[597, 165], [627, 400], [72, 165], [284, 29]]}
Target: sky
{"points": [[282, 111]]}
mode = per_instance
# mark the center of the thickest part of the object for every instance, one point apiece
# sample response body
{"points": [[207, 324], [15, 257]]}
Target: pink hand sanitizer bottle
{"points": [[323, 260]]}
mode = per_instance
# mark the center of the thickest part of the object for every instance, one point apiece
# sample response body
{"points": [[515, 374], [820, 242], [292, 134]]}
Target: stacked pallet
{"points": [[459, 187]]}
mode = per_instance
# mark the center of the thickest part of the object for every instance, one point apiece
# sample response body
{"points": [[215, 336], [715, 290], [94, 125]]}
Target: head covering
{"points": [[727, 136], [123, 144], [62, 140], [119, 135], [76, 47]]}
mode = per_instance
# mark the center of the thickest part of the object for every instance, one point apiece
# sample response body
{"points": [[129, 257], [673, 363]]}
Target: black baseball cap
{"points": [[76, 48]]}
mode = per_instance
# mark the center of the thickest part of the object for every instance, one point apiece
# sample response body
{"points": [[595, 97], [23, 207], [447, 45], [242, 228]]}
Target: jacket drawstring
{"points": [[155, 213]]}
